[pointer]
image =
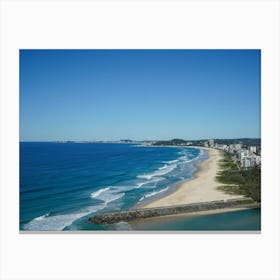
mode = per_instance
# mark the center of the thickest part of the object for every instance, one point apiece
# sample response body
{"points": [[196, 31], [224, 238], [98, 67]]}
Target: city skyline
{"points": [[139, 94]]}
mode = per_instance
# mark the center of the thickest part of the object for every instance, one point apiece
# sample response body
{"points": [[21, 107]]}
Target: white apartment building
{"points": [[246, 162], [253, 149], [258, 160], [244, 153], [211, 142], [237, 147]]}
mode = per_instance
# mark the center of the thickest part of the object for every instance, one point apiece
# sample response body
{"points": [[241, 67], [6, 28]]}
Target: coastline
{"points": [[201, 188], [169, 211], [209, 221], [197, 197], [140, 222]]}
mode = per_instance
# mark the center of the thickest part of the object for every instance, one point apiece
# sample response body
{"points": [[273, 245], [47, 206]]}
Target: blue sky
{"points": [[139, 94]]}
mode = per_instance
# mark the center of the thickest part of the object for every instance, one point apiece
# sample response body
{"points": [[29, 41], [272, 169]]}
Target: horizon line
{"points": [[125, 139]]}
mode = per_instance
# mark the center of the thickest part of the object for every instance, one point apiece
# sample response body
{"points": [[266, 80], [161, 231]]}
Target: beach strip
{"points": [[202, 188]]}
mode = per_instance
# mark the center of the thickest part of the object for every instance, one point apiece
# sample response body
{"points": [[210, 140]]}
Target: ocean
{"points": [[63, 184]]}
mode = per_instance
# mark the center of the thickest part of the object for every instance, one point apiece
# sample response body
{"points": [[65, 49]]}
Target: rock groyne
{"points": [[118, 216]]}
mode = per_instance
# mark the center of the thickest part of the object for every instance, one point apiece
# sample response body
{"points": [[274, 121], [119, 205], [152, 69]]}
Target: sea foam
{"points": [[150, 182], [58, 222], [108, 194], [171, 161], [159, 172], [99, 192], [153, 193]]}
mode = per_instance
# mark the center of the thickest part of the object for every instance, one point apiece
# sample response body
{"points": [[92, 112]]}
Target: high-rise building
{"points": [[258, 160], [244, 153], [246, 162], [237, 147], [211, 143], [253, 149]]}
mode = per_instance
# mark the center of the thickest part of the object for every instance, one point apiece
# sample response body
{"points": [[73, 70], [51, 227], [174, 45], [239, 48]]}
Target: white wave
{"points": [[99, 192], [148, 187], [156, 179], [40, 218], [113, 198], [95, 208], [122, 226], [171, 161], [185, 160], [110, 193], [158, 172], [201, 153], [153, 193], [153, 180], [139, 185], [58, 222], [163, 167]]}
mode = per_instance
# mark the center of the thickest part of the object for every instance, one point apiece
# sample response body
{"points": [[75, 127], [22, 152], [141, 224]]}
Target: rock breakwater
{"points": [[118, 216]]}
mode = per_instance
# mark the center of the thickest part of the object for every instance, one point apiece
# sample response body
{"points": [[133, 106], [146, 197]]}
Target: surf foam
{"points": [[58, 222], [99, 192], [153, 193], [159, 172]]}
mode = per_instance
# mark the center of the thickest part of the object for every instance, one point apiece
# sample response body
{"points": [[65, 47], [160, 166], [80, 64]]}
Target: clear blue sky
{"points": [[139, 94]]}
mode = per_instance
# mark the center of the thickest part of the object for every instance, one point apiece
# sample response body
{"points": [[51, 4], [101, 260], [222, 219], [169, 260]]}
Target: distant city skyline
{"points": [[139, 94]]}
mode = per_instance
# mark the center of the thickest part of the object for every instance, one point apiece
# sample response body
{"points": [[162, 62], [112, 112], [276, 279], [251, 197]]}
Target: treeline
{"points": [[238, 180], [244, 141], [172, 142], [178, 142]]}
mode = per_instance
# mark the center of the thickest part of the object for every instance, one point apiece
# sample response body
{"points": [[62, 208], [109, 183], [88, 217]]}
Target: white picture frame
{"points": [[227, 24]]}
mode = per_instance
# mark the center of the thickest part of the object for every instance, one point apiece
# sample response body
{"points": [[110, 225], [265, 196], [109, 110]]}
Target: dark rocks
{"points": [[114, 217]]}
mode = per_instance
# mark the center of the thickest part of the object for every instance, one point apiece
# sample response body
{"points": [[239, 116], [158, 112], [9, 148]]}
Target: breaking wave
{"points": [[58, 222], [153, 193], [159, 172]]}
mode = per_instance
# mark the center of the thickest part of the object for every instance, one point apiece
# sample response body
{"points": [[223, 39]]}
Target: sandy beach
{"points": [[202, 188]]}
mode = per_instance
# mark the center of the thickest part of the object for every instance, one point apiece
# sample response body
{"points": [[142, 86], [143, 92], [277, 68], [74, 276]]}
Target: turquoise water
{"points": [[62, 184], [238, 220]]}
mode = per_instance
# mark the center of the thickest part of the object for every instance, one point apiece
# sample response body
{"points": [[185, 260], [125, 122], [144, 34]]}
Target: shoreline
{"points": [[196, 197], [201, 188], [173, 186], [169, 211], [188, 215]]}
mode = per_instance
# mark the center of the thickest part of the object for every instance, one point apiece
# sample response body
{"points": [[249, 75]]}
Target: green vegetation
{"points": [[238, 180], [179, 142], [244, 202], [246, 142], [173, 142]]}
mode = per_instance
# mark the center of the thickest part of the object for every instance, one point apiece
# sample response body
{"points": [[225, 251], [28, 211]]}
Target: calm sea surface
{"points": [[248, 220]]}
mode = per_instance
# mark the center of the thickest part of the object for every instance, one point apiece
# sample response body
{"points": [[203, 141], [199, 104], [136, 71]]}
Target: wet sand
{"points": [[202, 188]]}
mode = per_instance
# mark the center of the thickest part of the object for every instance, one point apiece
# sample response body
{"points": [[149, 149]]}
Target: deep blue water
{"points": [[62, 184]]}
